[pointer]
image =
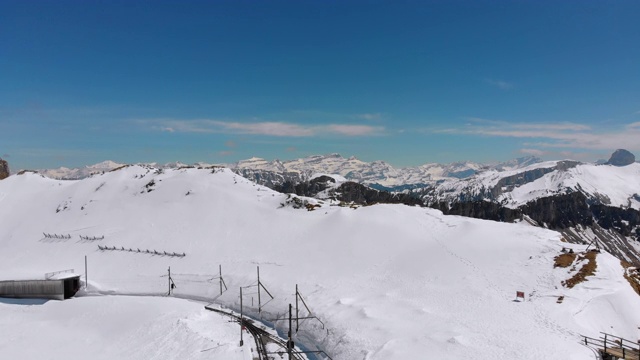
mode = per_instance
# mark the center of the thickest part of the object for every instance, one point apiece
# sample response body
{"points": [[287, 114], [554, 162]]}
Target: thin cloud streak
{"points": [[374, 116], [264, 128], [353, 130], [558, 135], [500, 84]]}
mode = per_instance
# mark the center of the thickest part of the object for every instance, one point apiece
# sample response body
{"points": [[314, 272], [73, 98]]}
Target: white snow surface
{"points": [[388, 281], [116, 327]]}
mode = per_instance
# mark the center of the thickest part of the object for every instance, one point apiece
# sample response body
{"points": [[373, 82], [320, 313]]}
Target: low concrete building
{"points": [[61, 287]]}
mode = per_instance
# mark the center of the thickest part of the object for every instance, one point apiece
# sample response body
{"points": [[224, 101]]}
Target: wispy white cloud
{"points": [[352, 130], [265, 128], [564, 154], [501, 84], [554, 135], [370, 116]]}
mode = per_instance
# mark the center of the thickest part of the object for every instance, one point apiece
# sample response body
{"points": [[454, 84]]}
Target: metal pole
{"points": [[86, 278], [220, 268], [169, 271], [290, 342], [241, 320], [297, 315], [259, 284]]}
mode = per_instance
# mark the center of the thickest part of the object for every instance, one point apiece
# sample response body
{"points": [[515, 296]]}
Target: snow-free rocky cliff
{"points": [[388, 281]]}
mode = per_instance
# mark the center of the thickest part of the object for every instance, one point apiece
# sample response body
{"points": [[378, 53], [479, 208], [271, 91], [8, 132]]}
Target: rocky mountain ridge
{"points": [[377, 174], [4, 169]]}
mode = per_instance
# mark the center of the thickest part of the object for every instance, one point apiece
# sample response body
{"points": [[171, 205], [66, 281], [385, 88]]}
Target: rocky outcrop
{"points": [[306, 188], [4, 169], [560, 211], [359, 194], [621, 157], [271, 179], [480, 210], [349, 192], [626, 222]]}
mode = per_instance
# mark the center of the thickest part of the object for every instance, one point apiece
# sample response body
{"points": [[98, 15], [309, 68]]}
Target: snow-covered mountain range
{"points": [[377, 173], [374, 173], [388, 281]]}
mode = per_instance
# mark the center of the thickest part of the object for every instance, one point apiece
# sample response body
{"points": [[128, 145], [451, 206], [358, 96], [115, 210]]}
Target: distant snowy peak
{"points": [[64, 173], [108, 164]]}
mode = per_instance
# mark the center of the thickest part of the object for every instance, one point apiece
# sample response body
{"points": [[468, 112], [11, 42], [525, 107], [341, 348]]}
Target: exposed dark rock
{"points": [[621, 157], [623, 221], [480, 210], [350, 192], [4, 169], [270, 179], [363, 195], [307, 188], [560, 211]]}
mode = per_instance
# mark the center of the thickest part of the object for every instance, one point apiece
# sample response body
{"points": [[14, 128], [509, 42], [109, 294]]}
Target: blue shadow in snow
{"points": [[14, 301]]}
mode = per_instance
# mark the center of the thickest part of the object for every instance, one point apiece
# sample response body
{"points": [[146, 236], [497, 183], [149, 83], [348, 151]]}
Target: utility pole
{"points": [[259, 303], [297, 317], [86, 278], [220, 268], [241, 320], [169, 293], [290, 342]]}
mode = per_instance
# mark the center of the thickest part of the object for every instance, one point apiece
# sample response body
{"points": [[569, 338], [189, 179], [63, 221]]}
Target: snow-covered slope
{"points": [[389, 281], [606, 184], [116, 327]]}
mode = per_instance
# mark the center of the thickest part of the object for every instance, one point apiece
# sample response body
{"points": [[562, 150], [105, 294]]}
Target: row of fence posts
{"points": [[56, 236], [91, 237], [68, 236], [146, 251]]}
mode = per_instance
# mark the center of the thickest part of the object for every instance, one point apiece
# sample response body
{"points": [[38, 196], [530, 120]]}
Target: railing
{"points": [[52, 274], [611, 343]]}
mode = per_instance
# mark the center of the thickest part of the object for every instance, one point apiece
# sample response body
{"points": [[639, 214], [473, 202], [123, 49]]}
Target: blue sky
{"points": [[407, 82]]}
